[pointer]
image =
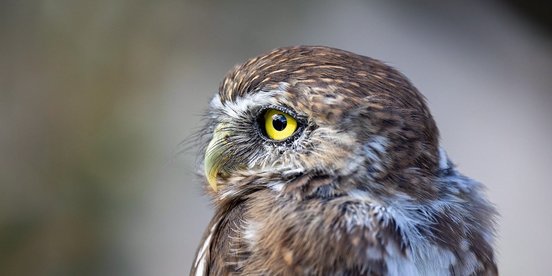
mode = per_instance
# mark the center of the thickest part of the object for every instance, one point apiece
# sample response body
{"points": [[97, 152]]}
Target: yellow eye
{"points": [[279, 125]]}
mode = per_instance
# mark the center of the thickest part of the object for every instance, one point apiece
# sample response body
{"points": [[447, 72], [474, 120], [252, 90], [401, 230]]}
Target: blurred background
{"points": [[96, 97]]}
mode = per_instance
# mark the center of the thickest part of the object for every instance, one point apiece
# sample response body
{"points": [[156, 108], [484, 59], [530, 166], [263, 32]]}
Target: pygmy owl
{"points": [[324, 162]]}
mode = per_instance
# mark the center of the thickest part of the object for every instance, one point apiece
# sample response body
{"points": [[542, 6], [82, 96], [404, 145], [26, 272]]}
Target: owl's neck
{"points": [[451, 230]]}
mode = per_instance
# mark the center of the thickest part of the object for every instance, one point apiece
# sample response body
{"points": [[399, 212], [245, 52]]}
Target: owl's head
{"points": [[304, 113]]}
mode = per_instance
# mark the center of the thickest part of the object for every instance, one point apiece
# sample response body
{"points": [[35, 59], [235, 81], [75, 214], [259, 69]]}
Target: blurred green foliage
{"points": [[71, 143]]}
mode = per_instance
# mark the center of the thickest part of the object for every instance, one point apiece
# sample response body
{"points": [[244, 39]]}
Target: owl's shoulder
{"points": [[222, 250]]}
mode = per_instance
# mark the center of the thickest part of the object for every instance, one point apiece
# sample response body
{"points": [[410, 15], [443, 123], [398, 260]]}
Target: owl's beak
{"points": [[214, 155]]}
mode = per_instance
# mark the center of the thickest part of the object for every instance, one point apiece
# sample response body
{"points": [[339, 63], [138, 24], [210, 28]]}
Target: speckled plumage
{"points": [[363, 188]]}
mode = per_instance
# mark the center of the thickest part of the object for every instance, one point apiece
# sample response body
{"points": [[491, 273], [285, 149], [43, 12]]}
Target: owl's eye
{"points": [[279, 125]]}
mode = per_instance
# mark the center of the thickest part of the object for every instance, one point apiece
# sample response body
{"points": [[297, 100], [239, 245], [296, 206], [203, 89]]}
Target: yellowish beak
{"points": [[214, 156]]}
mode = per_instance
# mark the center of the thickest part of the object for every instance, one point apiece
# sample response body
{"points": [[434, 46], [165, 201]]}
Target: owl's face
{"points": [[274, 132], [317, 111]]}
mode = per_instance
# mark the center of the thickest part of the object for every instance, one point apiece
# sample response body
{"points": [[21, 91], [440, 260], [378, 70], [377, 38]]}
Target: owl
{"points": [[320, 161]]}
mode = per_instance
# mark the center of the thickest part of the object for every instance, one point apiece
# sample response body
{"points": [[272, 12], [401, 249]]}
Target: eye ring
{"points": [[278, 124]]}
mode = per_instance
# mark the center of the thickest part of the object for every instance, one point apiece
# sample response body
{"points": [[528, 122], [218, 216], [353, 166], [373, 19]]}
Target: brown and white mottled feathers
{"points": [[359, 186]]}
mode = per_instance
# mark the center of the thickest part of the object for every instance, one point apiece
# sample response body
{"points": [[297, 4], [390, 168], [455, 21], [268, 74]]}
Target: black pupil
{"points": [[279, 122]]}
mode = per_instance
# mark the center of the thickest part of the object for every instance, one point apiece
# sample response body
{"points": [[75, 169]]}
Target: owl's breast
{"points": [[324, 237], [347, 235]]}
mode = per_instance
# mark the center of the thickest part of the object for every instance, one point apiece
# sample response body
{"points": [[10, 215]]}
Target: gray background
{"points": [[95, 98]]}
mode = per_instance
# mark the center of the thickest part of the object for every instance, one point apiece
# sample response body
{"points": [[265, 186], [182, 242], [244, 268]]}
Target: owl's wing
{"points": [[222, 249], [199, 267]]}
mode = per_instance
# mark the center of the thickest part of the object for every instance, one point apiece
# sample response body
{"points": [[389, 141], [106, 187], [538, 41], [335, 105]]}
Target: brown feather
{"points": [[363, 188]]}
